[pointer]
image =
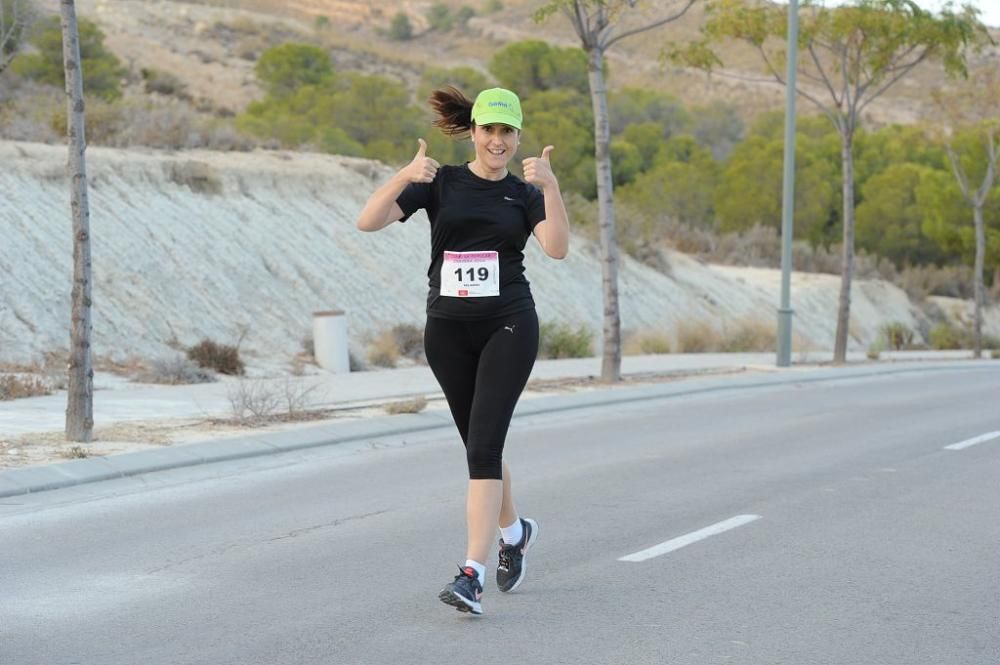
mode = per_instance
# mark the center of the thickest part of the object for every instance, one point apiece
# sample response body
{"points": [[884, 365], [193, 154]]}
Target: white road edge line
{"points": [[693, 537], [982, 438]]}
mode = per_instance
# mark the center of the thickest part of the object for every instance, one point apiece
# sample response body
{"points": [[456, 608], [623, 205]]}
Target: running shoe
{"points": [[464, 592], [510, 570]]}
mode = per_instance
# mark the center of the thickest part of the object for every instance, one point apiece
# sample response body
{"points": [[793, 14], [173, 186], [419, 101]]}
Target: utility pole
{"points": [[788, 192]]}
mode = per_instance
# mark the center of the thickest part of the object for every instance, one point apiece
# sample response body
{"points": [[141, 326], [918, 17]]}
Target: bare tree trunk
{"points": [[847, 266], [611, 360], [80, 403], [977, 281]]}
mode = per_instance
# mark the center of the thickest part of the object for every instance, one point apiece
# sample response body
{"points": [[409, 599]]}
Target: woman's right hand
{"points": [[422, 168]]}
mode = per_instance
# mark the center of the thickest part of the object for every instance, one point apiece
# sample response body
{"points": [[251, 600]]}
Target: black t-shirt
{"points": [[468, 213]]}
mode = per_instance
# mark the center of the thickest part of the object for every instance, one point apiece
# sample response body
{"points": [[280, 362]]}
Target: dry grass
{"points": [[749, 335], [384, 351], [646, 342], [75, 452], [20, 386], [172, 370], [256, 401], [415, 405], [697, 337]]}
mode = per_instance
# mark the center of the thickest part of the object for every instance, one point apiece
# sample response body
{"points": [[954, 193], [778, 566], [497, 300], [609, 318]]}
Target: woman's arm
{"points": [[553, 231], [381, 210]]}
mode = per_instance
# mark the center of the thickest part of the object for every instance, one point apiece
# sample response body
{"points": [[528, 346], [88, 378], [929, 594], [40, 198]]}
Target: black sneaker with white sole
{"points": [[510, 570], [464, 593]]}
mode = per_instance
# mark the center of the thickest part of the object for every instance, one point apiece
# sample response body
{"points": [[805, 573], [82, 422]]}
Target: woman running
{"points": [[481, 336]]}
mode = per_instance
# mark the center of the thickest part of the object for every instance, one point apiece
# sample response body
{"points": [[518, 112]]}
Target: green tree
{"points": [[850, 56], [284, 69], [749, 191], [598, 25], [895, 144], [637, 105], [890, 217], [400, 27], [972, 142], [679, 187], [376, 111], [439, 17], [533, 66], [102, 71], [470, 81], [718, 127], [946, 220], [15, 15], [648, 138]]}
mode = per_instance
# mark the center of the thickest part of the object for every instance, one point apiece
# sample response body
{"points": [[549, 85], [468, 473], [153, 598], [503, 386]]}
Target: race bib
{"points": [[470, 274]]}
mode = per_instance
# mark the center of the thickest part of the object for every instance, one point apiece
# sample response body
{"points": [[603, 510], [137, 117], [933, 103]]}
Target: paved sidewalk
{"points": [[127, 402]]}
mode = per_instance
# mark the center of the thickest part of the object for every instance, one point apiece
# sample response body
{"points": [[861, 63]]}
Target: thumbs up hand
{"points": [[422, 168], [538, 170]]}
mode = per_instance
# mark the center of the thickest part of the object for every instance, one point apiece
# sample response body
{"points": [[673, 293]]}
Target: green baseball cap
{"points": [[497, 105]]}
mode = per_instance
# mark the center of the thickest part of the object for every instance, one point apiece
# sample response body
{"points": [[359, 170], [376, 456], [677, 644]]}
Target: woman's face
{"points": [[495, 145]]}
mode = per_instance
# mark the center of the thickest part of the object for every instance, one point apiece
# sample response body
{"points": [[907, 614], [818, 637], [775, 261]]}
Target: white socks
{"points": [[480, 571], [512, 534]]}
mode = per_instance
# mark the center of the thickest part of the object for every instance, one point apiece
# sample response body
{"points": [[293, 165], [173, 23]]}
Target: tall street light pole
{"points": [[788, 192]]}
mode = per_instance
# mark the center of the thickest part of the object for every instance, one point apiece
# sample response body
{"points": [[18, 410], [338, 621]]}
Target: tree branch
{"points": [[956, 168], [654, 24], [826, 79], [991, 165], [903, 71]]}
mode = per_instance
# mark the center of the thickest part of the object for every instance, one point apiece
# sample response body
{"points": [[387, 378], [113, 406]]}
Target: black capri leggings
{"points": [[482, 367]]}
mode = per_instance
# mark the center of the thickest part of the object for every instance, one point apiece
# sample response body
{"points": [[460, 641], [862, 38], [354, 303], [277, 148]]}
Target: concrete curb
{"points": [[42, 478]]}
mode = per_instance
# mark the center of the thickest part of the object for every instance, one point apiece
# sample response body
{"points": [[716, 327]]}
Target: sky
{"points": [[989, 10]]}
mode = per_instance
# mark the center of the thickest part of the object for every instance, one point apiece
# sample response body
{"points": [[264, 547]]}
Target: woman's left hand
{"points": [[538, 170]]}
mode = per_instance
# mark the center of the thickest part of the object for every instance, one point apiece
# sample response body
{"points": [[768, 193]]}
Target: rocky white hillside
{"points": [[199, 244]]}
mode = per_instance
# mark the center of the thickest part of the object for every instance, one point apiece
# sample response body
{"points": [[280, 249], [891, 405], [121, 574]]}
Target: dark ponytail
{"points": [[453, 109]]}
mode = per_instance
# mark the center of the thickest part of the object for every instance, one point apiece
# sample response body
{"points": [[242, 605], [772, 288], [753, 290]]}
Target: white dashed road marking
{"points": [[693, 537], [982, 438]]}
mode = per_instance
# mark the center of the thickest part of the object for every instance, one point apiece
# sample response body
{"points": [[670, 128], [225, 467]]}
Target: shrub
{"points": [[356, 364], [945, 336], [75, 452], [749, 335], [697, 337], [222, 358], [197, 176], [174, 370], [922, 281], [14, 386], [648, 342], [253, 401], [559, 340], [384, 350], [404, 340], [400, 28], [874, 350], [896, 335], [103, 71], [439, 17], [995, 354], [163, 83], [409, 340]]}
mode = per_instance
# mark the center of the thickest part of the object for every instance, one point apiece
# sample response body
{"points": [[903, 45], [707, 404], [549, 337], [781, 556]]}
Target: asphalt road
{"points": [[855, 537]]}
